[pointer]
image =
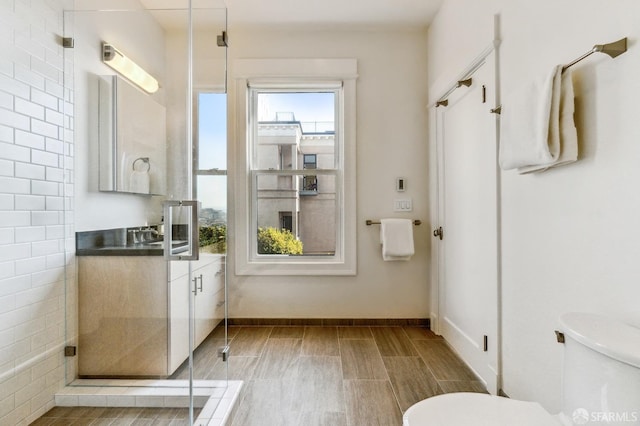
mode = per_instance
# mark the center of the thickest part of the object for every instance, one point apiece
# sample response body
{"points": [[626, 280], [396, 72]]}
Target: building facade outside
{"points": [[304, 203]]}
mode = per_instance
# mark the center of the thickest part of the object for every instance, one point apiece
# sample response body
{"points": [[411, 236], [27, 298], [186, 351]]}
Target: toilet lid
{"points": [[476, 409]]}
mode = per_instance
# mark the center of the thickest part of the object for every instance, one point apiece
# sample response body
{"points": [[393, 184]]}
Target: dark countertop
{"points": [[113, 242]]}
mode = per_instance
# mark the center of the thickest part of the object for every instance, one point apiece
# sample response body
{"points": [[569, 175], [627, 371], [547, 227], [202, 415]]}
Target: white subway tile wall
{"points": [[37, 264]]}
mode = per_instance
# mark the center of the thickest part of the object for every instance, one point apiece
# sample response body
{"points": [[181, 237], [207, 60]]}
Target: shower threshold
{"points": [[215, 397]]}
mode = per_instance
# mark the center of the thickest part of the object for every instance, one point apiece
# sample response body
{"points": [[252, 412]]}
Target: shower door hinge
{"points": [[67, 42], [69, 351], [485, 341], [223, 353]]}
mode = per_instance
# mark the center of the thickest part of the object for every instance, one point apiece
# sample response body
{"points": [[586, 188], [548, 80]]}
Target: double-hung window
{"points": [[210, 168], [297, 215]]}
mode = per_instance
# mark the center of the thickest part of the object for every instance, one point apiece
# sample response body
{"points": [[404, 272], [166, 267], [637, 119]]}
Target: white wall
{"points": [[571, 235], [391, 142], [36, 211]]}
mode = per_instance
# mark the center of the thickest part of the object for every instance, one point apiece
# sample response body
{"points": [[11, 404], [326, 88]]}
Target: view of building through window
{"points": [[296, 209], [294, 161]]}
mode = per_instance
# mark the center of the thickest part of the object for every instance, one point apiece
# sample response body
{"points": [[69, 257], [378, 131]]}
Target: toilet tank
{"points": [[601, 370]]}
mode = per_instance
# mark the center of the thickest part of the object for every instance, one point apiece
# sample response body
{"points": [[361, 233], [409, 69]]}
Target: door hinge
{"points": [[485, 342], [223, 40], [438, 233], [223, 353]]}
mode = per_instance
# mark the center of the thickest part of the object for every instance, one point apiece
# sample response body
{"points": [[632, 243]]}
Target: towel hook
{"points": [[466, 82]]}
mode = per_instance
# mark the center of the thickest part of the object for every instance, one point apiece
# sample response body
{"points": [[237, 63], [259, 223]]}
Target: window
{"points": [[286, 221], [281, 155], [293, 125], [210, 169], [309, 182]]}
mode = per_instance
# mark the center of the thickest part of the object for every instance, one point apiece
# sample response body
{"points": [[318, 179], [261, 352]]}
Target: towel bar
{"points": [[377, 222], [612, 49]]}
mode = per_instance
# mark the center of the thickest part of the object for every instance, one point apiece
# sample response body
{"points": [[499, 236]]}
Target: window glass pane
{"points": [[212, 193], [212, 131], [294, 220], [293, 128]]}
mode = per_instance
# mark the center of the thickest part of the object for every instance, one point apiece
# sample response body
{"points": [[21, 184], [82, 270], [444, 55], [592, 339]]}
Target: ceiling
{"points": [[316, 13], [327, 13]]}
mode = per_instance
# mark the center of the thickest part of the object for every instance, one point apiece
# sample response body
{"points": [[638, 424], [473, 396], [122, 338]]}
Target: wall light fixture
{"points": [[125, 66]]}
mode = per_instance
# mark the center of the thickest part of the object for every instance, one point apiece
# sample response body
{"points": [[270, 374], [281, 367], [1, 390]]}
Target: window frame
{"points": [[296, 75]]}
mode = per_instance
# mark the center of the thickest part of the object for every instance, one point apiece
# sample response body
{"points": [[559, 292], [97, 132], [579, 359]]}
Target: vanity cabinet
{"points": [[207, 287], [133, 312]]}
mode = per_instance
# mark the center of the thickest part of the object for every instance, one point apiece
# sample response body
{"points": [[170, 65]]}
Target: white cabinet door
{"points": [[207, 281], [210, 281], [179, 288]]}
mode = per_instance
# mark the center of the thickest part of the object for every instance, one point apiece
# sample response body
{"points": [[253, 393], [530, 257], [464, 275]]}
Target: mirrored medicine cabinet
{"points": [[132, 139]]}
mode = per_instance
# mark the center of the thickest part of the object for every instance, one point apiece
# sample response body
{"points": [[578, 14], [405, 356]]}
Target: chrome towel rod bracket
{"points": [[612, 49], [377, 222]]}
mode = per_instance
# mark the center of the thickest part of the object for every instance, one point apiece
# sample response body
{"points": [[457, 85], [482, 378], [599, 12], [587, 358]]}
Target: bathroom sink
{"points": [[161, 243], [177, 245]]}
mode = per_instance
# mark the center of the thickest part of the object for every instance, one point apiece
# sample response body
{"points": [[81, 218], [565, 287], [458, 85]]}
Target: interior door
{"points": [[468, 287]]}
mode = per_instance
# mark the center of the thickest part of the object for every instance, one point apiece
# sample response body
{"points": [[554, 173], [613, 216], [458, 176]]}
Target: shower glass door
{"points": [[151, 331]]}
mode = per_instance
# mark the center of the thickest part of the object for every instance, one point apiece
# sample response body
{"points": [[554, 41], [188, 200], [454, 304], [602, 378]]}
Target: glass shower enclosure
{"points": [[147, 311]]}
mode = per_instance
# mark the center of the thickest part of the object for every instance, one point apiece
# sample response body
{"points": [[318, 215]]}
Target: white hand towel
{"points": [[139, 182], [396, 236], [529, 132], [567, 128]]}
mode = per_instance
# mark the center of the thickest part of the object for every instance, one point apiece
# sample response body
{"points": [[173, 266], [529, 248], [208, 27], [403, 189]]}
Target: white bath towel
{"points": [[535, 122], [396, 236], [568, 136]]}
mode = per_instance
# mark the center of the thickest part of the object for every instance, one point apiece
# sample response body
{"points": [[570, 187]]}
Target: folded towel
{"points": [[568, 137], [525, 124], [139, 182], [396, 236]]}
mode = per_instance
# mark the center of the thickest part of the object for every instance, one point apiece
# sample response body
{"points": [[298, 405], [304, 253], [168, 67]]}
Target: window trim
{"points": [[291, 74]]}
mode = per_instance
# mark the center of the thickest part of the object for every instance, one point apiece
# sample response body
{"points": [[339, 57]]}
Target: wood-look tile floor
{"points": [[317, 376], [339, 376]]}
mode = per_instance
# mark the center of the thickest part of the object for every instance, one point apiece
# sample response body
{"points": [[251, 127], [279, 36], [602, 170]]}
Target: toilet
{"points": [[600, 384]]}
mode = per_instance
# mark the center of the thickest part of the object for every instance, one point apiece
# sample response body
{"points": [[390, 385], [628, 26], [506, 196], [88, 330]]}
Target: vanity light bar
{"points": [[125, 66]]}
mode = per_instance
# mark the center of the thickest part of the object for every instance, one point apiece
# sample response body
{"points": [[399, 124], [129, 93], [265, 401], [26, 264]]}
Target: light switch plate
{"points": [[403, 205]]}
